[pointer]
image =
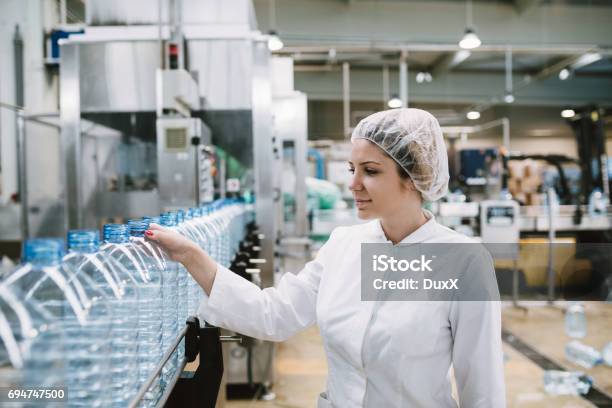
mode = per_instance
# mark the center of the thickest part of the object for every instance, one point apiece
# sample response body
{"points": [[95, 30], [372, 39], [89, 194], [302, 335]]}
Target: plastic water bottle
{"points": [[223, 217], [189, 229], [170, 295], [582, 354], [575, 321], [598, 203], [183, 274], [183, 280], [151, 315], [82, 313], [566, 382], [120, 288], [31, 343], [148, 329], [210, 224], [195, 292], [607, 354]]}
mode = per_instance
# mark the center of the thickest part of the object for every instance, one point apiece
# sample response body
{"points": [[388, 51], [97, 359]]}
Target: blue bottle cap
{"points": [[116, 233], [137, 227], [154, 220], [168, 220], [83, 240], [43, 251]]}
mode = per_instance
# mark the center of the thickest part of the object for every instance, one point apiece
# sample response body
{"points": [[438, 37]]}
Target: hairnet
{"points": [[413, 138]]}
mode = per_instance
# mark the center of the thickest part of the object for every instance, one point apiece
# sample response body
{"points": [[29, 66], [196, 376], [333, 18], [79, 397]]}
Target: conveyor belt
{"points": [[595, 395]]}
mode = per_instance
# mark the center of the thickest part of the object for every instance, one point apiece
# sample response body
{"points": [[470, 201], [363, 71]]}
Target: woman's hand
{"points": [[176, 246], [181, 249]]}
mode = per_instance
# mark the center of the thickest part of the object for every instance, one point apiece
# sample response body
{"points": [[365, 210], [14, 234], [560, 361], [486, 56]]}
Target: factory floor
{"points": [[301, 367]]}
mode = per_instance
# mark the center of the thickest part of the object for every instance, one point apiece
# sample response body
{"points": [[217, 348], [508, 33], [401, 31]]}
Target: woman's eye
{"points": [[352, 171], [370, 171]]}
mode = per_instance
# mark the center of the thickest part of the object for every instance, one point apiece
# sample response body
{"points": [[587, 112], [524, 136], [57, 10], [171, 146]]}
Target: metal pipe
{"points": [[550, 193], [390, 46], [222, 178], [503, 122], [22, 175], [170, 385], [147, 384], [70, 118], [62, 12], [18, 54], [506, 132], [160, 43], [346, 98], [509, 70], [20, 127], [385, 81], [403, 80]]}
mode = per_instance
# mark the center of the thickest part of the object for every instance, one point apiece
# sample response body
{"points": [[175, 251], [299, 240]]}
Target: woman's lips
{"points": [[362, 203]]}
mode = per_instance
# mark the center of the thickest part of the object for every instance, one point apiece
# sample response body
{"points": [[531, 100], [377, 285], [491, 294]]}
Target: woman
{"points": [[380, 354]]}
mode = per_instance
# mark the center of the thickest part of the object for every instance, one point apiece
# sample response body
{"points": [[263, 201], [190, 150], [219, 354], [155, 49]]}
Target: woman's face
{"points": [[378, 189]]}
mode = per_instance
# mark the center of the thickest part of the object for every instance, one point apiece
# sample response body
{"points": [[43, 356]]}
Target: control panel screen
{"points": [[500, 215]]}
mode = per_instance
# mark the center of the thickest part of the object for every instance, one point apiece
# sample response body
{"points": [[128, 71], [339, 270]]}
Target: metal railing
{"points": [[190, 329]]}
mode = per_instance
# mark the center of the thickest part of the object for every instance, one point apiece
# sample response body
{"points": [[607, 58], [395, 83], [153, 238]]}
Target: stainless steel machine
{"points": [[176, 81], [184, 164]]}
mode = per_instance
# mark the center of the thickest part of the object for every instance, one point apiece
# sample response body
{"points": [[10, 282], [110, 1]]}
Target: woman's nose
{"points": [[355, 184]]}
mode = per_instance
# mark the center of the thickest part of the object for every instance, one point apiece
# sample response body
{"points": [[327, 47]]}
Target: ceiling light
{"points": [[470, 40], [274, 42], [394, 102], [564, 74], [423, 77], [568, 113], [509, 96], [473, 115]]}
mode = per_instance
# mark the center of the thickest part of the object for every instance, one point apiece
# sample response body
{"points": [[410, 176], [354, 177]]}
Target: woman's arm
{"points": [[477, 346], [237, 304], [478, 355]]}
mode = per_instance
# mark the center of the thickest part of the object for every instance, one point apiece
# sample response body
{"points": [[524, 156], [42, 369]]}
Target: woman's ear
{"points": [[408, 184]]}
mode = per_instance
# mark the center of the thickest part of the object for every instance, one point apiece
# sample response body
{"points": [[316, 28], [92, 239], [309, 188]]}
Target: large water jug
{"points": [[120, 288], [190, 233], [219, 217], [117, 246], [182, 280], [206, 243], [150, 342], [82, 311], [31, 345], [171, 301]]}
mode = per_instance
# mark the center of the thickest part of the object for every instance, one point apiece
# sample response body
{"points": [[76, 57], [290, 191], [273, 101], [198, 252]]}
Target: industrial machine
{"points": [[185, 89]]}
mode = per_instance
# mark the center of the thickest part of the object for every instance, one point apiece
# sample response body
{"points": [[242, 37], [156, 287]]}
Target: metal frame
{"points": [[265, 194], [70, 114]]}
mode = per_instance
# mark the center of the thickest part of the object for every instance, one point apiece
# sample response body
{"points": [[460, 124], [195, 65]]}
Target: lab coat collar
{"points": [[423, 233]]}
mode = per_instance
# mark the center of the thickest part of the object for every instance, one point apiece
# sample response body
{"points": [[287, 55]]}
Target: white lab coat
{"points": [[380, 354]]}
